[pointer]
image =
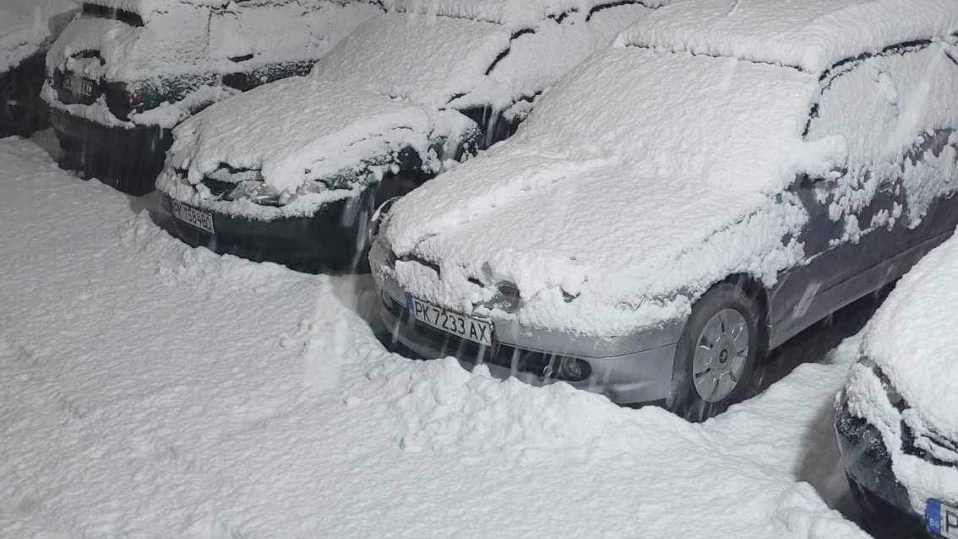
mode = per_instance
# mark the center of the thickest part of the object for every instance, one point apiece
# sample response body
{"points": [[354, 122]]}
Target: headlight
{"points": [[894, 397], [260, 193]]}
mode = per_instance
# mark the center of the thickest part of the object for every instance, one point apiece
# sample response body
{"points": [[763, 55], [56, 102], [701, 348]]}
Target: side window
{"points": [[896, 112]]}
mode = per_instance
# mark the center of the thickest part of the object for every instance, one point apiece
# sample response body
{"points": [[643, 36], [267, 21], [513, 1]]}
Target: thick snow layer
{"points": [[912, 338], [808, 34], [26, 25], [631, 206], [512, 13], [243, 38], [394, 83], [152, 390]]}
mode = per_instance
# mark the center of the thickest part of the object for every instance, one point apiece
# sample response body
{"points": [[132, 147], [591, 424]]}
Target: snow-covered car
{"points": [[897, 420], [125, 72], [27, 27], [724, 176], [293, 171]]}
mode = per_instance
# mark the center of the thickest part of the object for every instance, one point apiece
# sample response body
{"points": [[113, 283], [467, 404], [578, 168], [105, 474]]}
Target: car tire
{"points": [[717, 354]]}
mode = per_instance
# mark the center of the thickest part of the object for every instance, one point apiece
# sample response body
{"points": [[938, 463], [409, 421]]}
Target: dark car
{"points": [[897, 417], [292, 172], [123, 74], [27, 28], [684, 202]]}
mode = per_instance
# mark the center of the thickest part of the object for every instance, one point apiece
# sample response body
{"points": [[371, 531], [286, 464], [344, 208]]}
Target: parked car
{"points": [[27, 27], [293, 171], [123, 74], [681, 204], [897, 419]]}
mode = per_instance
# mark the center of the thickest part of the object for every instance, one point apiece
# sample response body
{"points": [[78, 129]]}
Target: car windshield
{"points": [[420, 58], [105, 12], [678, 117]]}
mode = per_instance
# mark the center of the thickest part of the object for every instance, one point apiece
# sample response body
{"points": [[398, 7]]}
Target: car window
{"points": [[881, 104], [885, 106], [104, 12]]}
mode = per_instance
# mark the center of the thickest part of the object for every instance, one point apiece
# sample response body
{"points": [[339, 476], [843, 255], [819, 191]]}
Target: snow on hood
{"points": [[809, 34], [376, 85], [25, 25], [639, 181], [912, 339], [288, 131]]}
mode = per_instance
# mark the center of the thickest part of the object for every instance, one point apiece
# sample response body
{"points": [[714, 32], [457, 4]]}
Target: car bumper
{"points": [[127, 159], [321, 241], [867, 460], [640, 375]]}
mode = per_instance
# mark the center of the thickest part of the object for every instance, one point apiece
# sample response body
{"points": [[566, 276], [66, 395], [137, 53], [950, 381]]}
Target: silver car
{"points": [[684, 202]]}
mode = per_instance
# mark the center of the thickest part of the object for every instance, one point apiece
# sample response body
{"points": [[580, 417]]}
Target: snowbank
{"points": [[149, 389]]}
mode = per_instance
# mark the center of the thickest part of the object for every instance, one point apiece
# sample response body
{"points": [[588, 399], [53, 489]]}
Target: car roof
{"points": [[810, 35], [145, 7], [514, 13]]}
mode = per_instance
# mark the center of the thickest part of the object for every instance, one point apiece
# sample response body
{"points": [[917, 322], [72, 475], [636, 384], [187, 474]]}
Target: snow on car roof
{"points": [[912, 338], [808, 34], [507, 12]]}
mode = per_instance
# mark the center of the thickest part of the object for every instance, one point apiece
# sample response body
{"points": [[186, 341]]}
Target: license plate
{"points": [[78, 85], [192, 216], [941, 519], [469, 328]]}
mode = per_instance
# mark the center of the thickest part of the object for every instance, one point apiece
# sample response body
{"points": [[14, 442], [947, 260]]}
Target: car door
{"points": [[888, 204]]}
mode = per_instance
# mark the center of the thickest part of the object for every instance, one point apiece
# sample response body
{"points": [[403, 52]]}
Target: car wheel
{"points": [[717, 353]]}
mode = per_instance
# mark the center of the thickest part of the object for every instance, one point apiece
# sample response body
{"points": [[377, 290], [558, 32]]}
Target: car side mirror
{"points": [[829, 179]]}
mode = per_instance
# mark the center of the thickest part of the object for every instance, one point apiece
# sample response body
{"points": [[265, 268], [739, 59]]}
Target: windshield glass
{"points": [[678, 116], [104, 12], [424, 59]]}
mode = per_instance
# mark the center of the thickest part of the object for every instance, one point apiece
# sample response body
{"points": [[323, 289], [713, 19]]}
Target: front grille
{"points": [[911, 447], [499, 354], [218, 187]]}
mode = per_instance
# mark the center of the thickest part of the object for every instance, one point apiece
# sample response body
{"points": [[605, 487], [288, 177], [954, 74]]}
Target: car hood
{"points": [[303, 129], [588, 251], [911, 338]]}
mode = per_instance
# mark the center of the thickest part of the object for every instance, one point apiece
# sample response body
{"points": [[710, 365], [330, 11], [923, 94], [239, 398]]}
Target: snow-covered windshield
{"points": [[425, 59], [679, 117]]}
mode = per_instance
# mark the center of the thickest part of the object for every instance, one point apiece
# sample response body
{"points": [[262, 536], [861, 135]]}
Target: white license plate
{"points": [[466, 327], [941, 519], [192, 216], [78, 85]]}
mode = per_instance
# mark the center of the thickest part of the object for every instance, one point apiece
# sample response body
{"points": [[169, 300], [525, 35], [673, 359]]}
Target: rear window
{"points": [[104, 12]]}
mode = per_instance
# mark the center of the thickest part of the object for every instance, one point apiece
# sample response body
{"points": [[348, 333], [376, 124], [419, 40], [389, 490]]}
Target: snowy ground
{"points": [[148, 389]]}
